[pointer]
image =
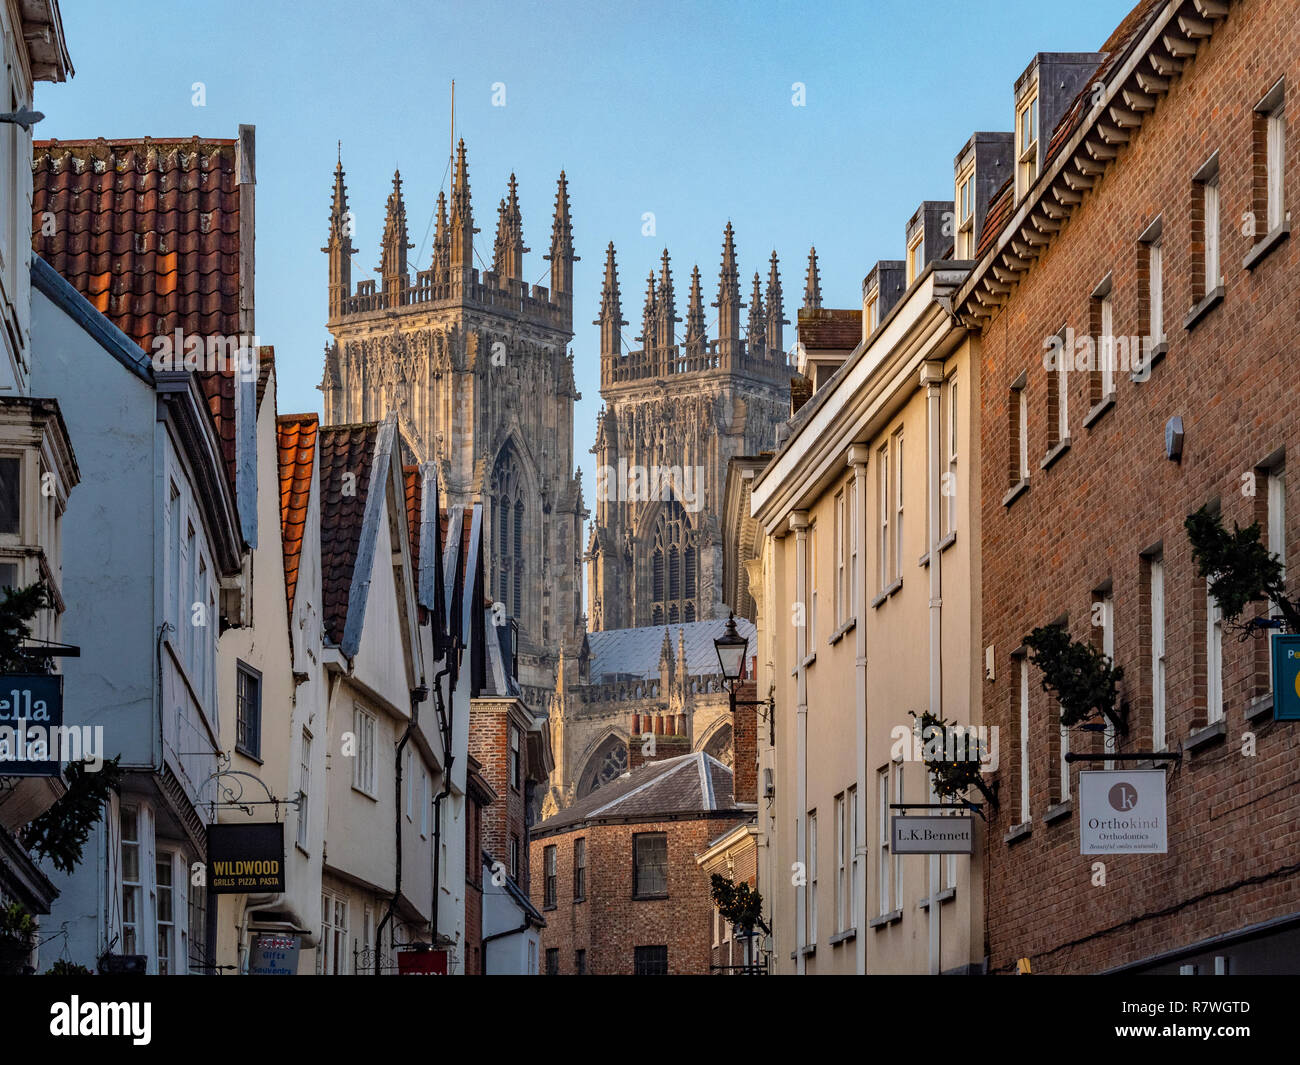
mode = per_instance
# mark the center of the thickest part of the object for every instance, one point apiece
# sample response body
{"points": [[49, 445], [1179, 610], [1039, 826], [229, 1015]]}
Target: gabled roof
{"points": [[690, 786], [296, 436], [635, 652], [347, 454], [149, 232]]}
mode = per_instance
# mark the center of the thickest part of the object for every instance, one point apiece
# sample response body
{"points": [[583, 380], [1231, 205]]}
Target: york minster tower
{"points": [[477, 365], [677, 410]]}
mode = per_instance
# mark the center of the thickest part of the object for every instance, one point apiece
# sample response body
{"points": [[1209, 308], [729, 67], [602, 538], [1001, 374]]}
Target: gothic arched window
{"points": [[674, 566], [608, 763], [507, 496]]}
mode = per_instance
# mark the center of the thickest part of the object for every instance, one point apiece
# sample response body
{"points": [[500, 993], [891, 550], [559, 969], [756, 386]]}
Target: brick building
{"points": [[617, 876], [1149, 202]]}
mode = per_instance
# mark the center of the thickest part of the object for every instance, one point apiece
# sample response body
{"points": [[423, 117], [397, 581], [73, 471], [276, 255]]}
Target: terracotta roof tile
{"points": [[148, 231], [347, 453], [296, 437], [411, 476]]}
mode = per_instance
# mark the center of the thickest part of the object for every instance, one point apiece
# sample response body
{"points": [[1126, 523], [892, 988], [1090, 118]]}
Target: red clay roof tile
{"points": [[296, 437], [347, 453]]}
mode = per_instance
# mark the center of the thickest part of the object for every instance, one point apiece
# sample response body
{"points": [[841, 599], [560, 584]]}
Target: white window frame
{"points": [[304, 789], [364, 771], [424, 803], [915, 255], [812, 588], [851, 801], [1159, 722], [898, 503], [133, 942], [167, 931], [949, 498], [810, 895], [882, 500], [841, 864], [1273, 108], [1210, 212], [1027, 147], [1062, 395], [1106, 343], [1065, 750], [884, 880], [1156, 290], [1023, 670], [965, 205], [1022, 403], [841, 557], [1213, 658]]}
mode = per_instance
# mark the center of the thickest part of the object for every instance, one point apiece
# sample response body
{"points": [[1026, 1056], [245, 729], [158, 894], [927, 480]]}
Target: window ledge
{"points": [[1055, 452], [1101, 407], [1016, 832], [1058, 811], [876, 602], [808, 949], [946, 895], [254, 758], [809, 659], [580, 898], [842, 631], [1143, 372], [944, 544], [843, 937], [885, 919], [1259, 707], [1016, 491], [1212, 300], [362, 791], [552, 906], [1265, 245], [649, 898], [302, 850], [1202, 737]]}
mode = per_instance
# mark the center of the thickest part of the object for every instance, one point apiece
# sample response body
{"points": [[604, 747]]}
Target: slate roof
{"points": [[296, 437], [344, 450], [690, 786], [829, 329], [148, 231], [635, 652]]}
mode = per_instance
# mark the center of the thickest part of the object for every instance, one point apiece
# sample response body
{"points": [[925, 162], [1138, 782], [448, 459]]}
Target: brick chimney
{"points": [[744, 743], [670, 740]]}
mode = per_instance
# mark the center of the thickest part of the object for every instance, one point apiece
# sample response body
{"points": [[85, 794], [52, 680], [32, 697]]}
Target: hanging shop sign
{"points": [[1122, 811], [1286, 676], [33, 740], [244, 858], [931, 835], [422, 963], [273, 955]]}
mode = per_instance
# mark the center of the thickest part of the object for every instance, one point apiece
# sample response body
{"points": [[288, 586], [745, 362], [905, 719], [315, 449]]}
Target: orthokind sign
{"points": [[1122, 811], [1286, 677], [245, 858]]}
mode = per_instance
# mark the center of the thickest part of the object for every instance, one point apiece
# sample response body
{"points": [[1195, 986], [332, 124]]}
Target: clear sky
{"points": [[680, 109]]}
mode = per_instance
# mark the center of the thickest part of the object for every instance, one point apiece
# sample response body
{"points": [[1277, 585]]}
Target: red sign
{"points": [[422, 963]]}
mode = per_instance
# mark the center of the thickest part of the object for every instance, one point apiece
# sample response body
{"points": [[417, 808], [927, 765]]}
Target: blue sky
{"points": [[680, 109]]}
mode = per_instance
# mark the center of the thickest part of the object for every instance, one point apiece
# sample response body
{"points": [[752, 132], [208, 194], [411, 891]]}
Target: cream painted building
{"points": [[866, 586]]}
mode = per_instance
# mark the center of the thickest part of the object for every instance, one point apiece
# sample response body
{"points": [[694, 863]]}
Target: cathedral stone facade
{"points": [[676, 413], [477, 366]]}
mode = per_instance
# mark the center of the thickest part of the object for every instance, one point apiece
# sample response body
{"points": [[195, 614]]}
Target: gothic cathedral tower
{"points": [[478, 367], [675, 415]]}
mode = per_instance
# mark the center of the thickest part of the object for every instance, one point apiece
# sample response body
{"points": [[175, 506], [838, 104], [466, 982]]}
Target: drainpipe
{"points": [[932, 379], [799, 523], [418, 695], [444, 727], [858, 454]]}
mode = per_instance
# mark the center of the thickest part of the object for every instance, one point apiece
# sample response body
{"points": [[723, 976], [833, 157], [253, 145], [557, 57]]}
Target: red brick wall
{"points": [[473, 946], [610, 923], [1087, 517], [744, 745], [489, 743]]}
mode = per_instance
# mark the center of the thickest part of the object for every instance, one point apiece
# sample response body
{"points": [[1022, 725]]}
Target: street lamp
{"points": [[732, 649]]}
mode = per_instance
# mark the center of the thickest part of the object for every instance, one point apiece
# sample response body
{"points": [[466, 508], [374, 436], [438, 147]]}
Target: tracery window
{"points": [[674, 567], [508, 566]]}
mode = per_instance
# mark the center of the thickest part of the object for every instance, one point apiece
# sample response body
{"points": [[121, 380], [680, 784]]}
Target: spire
{"points": [[666, 654], [511, 234], [757, 328], [499, 243], [775, 307], [462, 214], [611, 308], [666, 306], [695, 327], [441, 241], [728, 303], [338, 246], [392, 263], [812, 292], [562, 257], [648, 313]]}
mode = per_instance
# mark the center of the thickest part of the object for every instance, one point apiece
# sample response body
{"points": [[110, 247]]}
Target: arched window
{"points": [[608, 763], [674, 566], [507, 500], [720, 745]]}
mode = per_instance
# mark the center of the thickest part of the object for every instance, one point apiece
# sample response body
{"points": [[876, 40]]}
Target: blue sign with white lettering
{"points": [[32, 739], [1286, 676]]}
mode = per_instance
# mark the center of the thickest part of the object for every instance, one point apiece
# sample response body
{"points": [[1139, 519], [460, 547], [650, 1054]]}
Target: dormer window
{"points": [[966, 214], [1026, 143], [870, 314], [915, 255]]}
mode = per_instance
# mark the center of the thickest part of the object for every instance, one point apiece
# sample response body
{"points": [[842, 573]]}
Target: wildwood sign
{"points": [[245, 858]]}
